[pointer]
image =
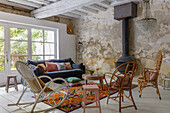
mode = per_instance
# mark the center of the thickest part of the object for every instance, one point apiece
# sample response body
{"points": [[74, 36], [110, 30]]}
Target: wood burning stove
{"points": [[125, 12]]}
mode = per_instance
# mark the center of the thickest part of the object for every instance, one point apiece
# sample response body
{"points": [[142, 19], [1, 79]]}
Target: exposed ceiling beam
{"points": [[97, 7], [42, 2], [72, 15], [27, 3], [61, 7], [89, 10], [16, 5], [79, 12], [105, 4], [117, 2]]}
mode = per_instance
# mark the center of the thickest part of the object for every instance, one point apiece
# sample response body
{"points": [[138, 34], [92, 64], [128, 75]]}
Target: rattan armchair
{"points": [[121, 80], [150, 76], [42, 91]]}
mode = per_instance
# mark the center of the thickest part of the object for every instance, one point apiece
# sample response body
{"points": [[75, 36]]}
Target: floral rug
{"points": [[75, 96]]}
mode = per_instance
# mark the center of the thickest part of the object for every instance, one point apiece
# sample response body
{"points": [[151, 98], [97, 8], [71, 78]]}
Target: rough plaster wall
{"points": [[102, 40]]}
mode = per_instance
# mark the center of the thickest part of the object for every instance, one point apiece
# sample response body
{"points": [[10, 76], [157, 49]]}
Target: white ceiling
{"points": [[67, 8]]}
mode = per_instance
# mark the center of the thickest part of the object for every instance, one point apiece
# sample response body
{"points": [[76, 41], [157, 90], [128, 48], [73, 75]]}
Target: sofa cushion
{"points": [[77, 66], [61, 66], [37, 71], [68, 65], [51, 66], [42, 67], [72, 79]]}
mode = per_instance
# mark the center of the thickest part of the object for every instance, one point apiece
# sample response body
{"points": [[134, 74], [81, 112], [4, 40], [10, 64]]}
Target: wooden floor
{"points": [[148, 103]]}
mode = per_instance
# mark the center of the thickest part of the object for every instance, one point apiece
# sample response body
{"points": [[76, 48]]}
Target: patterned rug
{"points": [[75, 95]]}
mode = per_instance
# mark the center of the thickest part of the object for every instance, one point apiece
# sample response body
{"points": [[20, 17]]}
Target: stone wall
{"points": [[102, 39]]}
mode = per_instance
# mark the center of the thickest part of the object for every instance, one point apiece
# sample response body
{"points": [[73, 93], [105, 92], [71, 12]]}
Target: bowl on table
{"points": [[90, 72]]}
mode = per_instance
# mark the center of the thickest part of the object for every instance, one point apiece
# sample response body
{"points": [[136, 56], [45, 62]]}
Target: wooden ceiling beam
{"points": [[16, 5], [62, 7], [97, 7], [90, 10], [42, 2], [105, 4], [72, 15], [79, 12], [27, 3]]}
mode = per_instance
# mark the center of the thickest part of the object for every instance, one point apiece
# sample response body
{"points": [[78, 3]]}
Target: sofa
{"points": [[76, 71]]}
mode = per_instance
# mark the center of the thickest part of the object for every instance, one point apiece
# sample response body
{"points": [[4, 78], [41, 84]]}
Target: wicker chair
{"points": [[41, 90], [121, 79], [150, 76]]}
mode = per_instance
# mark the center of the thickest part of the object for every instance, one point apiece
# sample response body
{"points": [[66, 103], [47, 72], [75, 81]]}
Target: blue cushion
{"points": [[77, 66]]}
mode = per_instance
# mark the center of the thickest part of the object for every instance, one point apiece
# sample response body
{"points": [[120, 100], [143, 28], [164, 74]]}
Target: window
{"points": [[18, 45], [42, 44]]}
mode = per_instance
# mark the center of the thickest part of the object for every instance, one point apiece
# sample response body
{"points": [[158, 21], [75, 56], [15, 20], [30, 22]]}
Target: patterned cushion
{"points": [[51, 66], [61, 66], [68, 65], [42, 67]]}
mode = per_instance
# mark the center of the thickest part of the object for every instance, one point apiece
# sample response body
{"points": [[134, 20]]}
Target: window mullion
{"points": [[43, 45], [29, 43]]}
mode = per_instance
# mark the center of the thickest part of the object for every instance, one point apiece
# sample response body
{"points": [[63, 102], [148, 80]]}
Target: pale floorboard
{"points": [[148, 103]]}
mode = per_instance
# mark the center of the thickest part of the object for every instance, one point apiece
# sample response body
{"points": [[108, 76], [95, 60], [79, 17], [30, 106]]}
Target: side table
{"points": [[93, 77], [8, 82], [164, 79]]}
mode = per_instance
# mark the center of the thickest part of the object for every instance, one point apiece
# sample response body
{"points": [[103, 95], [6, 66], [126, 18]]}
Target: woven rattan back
{"points": [[27, 73], [127, 69], [158, 60]]}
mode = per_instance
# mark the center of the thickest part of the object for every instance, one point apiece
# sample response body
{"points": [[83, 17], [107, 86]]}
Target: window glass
{"points": [[18, 34], [49, 48], [49, 36], [37, 35], [19, 47], [37, 48], [37, 57], [1, 32]]}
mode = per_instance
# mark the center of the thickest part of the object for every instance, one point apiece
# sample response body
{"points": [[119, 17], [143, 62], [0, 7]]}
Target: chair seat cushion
{"points": [[119, 80]]}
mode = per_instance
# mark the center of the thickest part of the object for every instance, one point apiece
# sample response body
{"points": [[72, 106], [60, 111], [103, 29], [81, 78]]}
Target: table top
{"points": [[92, 77]]}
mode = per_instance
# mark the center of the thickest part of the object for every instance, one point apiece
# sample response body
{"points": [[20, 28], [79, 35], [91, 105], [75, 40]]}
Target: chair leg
{"points": [[7, 84], [141, 87], [157, 90], [130, 92], [15, 83], [120, 95]]}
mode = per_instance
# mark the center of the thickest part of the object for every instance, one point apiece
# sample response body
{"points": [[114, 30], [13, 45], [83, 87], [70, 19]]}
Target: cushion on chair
{"points": [[72, 79], [47, 89], [42, 67], [152, 77], [119, 79], [51, 66]]}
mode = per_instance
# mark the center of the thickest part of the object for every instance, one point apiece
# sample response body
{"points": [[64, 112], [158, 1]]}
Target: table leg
{"points": [[85, 82], [101, 83]]}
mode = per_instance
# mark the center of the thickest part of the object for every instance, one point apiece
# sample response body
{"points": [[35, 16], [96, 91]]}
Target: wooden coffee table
{"points": [[94, 77]]}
